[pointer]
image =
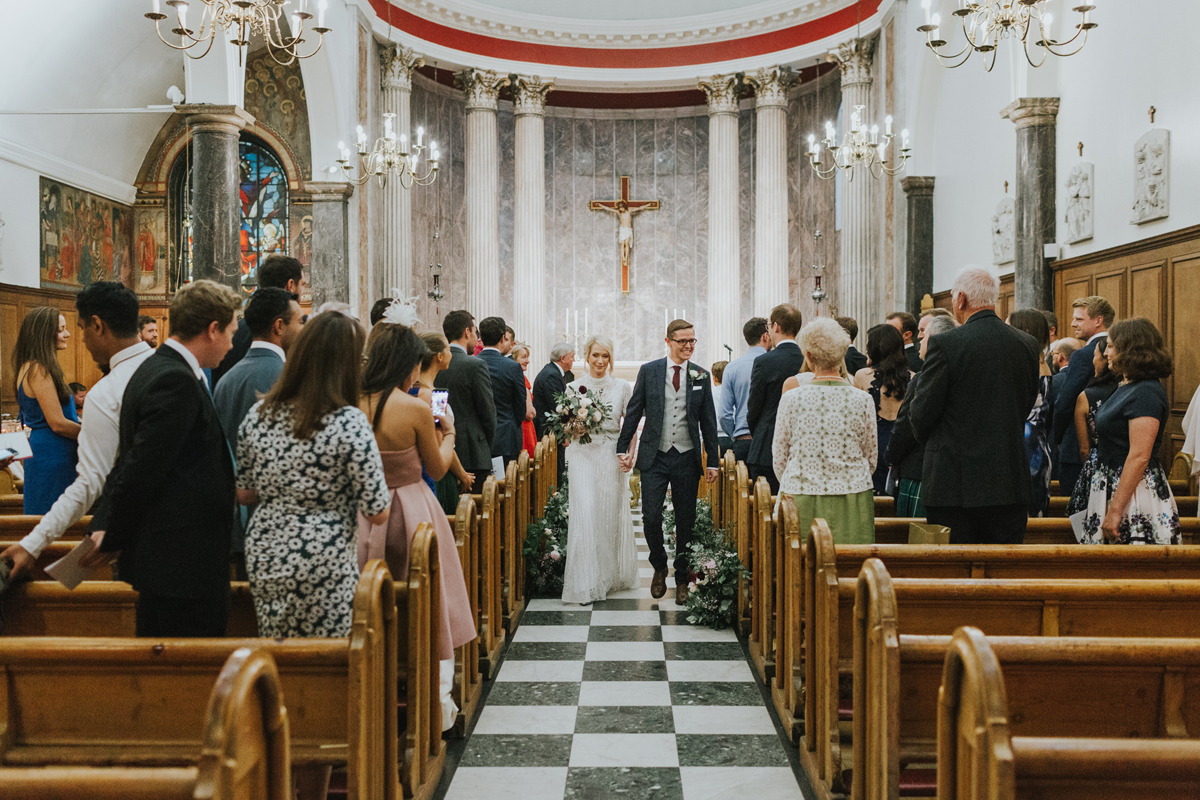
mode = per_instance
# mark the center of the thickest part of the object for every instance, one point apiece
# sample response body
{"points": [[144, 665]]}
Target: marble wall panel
{"points": [[747, 141], [507, 134]]}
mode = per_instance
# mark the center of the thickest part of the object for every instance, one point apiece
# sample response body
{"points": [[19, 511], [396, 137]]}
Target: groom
{"points": [[675, 397]]}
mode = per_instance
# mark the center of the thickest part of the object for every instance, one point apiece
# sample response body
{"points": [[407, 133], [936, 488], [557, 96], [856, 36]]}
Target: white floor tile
{"points": [[531, 719], [625, 617], [541, 671], [721, 783], [691, 633], [704, 671], [630, 594], [625, 693], [624, 750], [545, 604], [646, 572], [508, 783], [722, 719], [551, 633], [625, 651]]}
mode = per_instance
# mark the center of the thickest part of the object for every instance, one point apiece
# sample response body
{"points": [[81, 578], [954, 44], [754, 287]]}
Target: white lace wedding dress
{"points": [[601, 551]]}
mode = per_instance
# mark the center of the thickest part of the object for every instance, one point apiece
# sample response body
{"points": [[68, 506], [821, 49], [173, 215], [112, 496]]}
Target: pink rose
{"points": [[554, 556]]}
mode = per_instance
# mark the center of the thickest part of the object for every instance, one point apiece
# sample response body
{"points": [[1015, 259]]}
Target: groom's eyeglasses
{"points": [[685, 342]]}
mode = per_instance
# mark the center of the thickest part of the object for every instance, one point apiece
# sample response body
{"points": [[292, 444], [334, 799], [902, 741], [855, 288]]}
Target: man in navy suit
{"points": [[551, 382], [678, 446], [1090, 319], [508, 390], [766, 389]]}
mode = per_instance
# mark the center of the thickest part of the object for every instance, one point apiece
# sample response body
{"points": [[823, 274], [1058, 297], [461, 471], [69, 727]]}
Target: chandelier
{"points": [[240, 19], [988, 22], [859, 148], [391, 157]]}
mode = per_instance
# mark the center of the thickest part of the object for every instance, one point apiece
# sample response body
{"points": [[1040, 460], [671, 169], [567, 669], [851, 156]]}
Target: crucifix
{"points": [[624, 208], [1152, 112]]}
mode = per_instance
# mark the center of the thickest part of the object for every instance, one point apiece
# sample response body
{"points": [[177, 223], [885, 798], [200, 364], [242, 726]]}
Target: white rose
{"points": [[585, 402], [560, 409], [596, 416]]}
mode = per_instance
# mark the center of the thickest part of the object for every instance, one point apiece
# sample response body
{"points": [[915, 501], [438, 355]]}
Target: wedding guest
{"points": [[825, 446], [108, 313], [79, 392], [1037, 424], [1091, 318], [508, 389], [1098, 390], [1051, 323], [409, 443], [470, 386], [906, 324], [976, 476], [886, 380], [766, 387], [457, 480], [1130, 500], [904, 452], [377, 310], [724, 442], [854, 359], [276, 270], [1060, 354], [928, 315], [46, 406], [506, 344], [1061, 351], [520, 354], [148, 330], [550, 382], [735, 393]]}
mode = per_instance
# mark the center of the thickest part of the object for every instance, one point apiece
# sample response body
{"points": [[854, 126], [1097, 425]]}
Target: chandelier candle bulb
{"points": [[925, 4], [321, 13], [888, 123], [157, 9], [420, 136]]}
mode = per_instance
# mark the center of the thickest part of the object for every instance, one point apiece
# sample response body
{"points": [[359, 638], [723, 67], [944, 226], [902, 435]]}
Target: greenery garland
{"points": [[712, 596], [546, 547]]}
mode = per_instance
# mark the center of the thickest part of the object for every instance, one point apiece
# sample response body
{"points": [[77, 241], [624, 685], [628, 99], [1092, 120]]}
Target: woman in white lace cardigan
{"points": [[825, 446]]}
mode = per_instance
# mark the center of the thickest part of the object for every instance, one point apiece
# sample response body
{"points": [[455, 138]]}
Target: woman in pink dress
{"points": [[408, 439]]}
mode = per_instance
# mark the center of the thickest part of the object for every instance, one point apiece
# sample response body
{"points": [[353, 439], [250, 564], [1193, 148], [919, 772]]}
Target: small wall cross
{"points": [[1006, 187], [1080, 146], [1152, 112]]}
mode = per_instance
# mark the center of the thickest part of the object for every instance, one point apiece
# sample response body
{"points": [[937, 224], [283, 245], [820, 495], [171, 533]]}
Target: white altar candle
{"points": [[585, 322], [567, 323], [577, 322]]}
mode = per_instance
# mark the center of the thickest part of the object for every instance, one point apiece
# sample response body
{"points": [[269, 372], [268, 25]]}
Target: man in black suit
{"points": [[1090, 319], [168, 503], [279, 271], [854, 359], [906, 323], [508, 390], [766, 388], [470, 388], [678, 446], [969, 408], [552, 381]]}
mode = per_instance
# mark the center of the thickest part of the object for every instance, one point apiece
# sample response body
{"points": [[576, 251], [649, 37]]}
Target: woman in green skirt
{"points": [[826, 445]]}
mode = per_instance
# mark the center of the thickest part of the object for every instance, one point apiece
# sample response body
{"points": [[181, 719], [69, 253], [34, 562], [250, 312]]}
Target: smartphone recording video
{"points": [[441, 399]]}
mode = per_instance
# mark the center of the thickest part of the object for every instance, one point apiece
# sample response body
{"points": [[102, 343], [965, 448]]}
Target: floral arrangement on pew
{"points": [[546, 548], [716, 568], [577, 414]]}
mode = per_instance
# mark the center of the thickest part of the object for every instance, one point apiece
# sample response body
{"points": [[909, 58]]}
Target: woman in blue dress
{"points": [[1037, 424], [47, 407]]}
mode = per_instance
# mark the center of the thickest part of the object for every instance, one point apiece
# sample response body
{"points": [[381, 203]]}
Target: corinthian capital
{"points": [[398, 64], [722, 93], [854, 58], [482, 88], [529, 95], [770, 86]]}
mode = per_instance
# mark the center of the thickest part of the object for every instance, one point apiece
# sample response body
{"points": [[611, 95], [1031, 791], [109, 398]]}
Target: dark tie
{"points": [[675, 378]]}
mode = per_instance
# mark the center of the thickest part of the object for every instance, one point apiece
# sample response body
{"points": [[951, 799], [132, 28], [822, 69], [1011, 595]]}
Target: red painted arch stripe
{"points": [[635, 57]]}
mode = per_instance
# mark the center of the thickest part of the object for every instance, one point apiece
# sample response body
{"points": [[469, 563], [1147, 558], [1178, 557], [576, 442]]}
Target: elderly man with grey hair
{"points": [[549, 383], [979, 382]]}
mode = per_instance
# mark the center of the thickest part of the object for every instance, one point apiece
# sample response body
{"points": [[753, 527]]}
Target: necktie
{"points": [[675, 378]]}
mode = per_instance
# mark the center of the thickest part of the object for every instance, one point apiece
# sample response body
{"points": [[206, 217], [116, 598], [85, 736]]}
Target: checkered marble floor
{"points": [[623, 699]]}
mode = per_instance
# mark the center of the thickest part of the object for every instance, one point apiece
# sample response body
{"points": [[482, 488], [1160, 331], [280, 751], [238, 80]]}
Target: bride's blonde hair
{"points": [[602, 341]]}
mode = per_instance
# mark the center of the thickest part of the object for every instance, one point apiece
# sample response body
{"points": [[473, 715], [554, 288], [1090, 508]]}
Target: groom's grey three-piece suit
{"points": [[678, 441]]}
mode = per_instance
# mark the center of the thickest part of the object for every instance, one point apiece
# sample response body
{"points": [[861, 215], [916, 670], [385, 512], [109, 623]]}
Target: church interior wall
{"points": [[19, 209]]}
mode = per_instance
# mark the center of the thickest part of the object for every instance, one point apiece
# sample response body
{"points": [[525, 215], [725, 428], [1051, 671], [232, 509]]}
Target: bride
{"points": [[601, 551]]}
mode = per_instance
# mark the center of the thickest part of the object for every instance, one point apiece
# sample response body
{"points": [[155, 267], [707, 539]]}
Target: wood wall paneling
{"points": [[1182, 338], [1147, 288]]}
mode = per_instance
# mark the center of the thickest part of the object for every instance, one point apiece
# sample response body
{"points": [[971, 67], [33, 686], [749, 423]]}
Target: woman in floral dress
{"points": [[1098, 390]]}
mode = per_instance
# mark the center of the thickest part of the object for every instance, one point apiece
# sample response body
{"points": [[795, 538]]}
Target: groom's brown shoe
{"points": [[681, 594], [658, 584]]}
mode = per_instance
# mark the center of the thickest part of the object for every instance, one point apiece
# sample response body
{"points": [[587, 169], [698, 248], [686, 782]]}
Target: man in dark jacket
{"points": [[906, 323], [854, 359], [766, 388], [549, 383], [278, 271], [1090, 319], [470, 388], [979, 383], [508, 390]]}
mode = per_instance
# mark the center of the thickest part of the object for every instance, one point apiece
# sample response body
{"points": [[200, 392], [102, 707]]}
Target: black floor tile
{"points": [[625, 719], [640, 783], [625, 671]]}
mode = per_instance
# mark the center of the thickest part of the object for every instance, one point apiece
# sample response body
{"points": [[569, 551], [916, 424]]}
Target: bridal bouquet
{"points": [[577, 414]]}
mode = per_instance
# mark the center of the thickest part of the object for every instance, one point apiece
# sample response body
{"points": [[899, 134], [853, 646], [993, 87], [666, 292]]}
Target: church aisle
{"points": [[623, 699]]}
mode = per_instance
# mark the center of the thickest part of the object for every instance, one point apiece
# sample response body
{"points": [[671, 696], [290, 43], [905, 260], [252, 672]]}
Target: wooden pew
{"points": [[512, 598], [491, 531], [763, 576], [740, 512], [53, 552], [1038, 530], [980, 758], [1059, 687], [241, 753], [468, 683], [1179, 486], [886, 506], [12, 503], [15, 526]]}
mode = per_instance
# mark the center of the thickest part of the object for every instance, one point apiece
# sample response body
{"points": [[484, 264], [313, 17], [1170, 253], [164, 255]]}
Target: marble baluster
{"points": [[1036, 119], [919, 250], [529, 216], [858, 239], [398, 64], [723, 325], [770, 197], [216, 209], [329, 272], [482, 89]]}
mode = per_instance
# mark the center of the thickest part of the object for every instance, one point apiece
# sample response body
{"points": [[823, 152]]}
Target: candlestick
{"points": [[321, 13], [156, 7]]}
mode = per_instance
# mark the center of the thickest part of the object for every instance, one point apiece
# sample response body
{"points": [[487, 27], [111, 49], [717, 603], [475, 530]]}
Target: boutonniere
{"points": [[696, 374]]}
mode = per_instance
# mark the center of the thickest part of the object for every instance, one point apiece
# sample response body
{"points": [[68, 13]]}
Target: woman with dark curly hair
{"points": [[1129, 429], [1037, 424], [1098, 390], [886, 378]]}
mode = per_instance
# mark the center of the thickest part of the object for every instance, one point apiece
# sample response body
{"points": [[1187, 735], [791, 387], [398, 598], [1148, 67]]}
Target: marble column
{"points": [[770, 189], [216, 211], [482, 89], [529, 216], [858, 256], [329, 272], [723, 326], [398, 64], [1036, 120], [919, 252]]}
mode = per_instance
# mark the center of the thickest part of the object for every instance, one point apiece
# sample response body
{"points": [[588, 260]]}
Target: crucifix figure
{"points": [[624, 208]]}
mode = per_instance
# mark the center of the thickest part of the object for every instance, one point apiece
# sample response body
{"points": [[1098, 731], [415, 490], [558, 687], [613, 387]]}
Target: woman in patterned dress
{"points": [[1129, 498], [1037, 424], [1098, 390], [886, 379], [826, 444]]}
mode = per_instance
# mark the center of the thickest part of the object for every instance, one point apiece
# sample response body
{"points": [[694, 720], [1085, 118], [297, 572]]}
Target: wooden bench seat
{"points": [[240, 751], [979, 758], [886, 506]]}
